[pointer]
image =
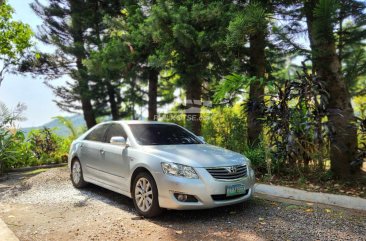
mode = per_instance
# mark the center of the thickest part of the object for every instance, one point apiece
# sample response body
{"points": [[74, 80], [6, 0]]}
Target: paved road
{"points": [[47, 207]]}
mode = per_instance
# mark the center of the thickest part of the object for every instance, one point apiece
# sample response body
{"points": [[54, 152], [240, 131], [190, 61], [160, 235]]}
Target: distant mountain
{"points": [[58, 128]]}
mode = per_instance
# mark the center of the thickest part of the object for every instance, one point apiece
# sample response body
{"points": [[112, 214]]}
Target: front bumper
{"points": [[202, 189]]}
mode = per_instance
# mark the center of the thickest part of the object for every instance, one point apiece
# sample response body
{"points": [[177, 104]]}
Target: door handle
{"points": [[102, 152]]}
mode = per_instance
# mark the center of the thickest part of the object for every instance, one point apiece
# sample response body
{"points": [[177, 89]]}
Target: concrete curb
{"points": [[315, 197], [25, 169], [6, 233]]}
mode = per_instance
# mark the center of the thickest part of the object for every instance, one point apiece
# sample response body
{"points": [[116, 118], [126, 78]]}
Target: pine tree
{"points": [[321, 17], [76, 29], [251, 25], [139, 37], [189, 34], [64, 27], [128, 54], [107, 88]]}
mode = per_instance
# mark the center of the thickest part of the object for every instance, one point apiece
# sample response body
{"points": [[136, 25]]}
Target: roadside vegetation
{"points": [[285, 80], [39, 147]]}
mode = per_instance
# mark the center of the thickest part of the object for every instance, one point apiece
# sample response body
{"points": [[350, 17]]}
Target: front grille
{"points": [[223, 197], [229, 172]]}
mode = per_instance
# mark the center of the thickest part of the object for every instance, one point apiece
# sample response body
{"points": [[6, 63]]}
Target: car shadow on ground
{"points": [[92, 191], [169, 217]]}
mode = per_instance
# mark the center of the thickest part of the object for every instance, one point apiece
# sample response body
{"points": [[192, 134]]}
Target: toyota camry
{"points": [[160, 166]]}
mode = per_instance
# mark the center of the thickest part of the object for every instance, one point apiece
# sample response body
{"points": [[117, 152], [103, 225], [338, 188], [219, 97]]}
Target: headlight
{"points": [[248, 163], [178, 170]]}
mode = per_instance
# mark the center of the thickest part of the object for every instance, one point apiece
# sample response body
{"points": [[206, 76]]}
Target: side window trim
{"points": [[106, 132]]}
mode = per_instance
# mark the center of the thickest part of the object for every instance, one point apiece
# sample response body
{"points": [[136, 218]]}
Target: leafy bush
{"points": [[259, 161], [225, 127], [40, 147], [43, 142], [14, 151], [48, 147], [6, 150], [361, 152]]}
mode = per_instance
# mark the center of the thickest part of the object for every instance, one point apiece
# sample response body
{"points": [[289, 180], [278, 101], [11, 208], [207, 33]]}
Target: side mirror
{"points": [[201, 138], [118, 140]]}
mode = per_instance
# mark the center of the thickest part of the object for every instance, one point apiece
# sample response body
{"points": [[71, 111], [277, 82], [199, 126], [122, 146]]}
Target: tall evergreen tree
{"points": [[107, 88], [321, 19], [190, 33], [251, 25], [140, 38], [64, 27], [126, 52], [76, 29]]}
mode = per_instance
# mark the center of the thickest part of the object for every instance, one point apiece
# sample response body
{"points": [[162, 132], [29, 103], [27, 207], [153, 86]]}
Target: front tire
{"points": [[145, 195], [76, 175]]}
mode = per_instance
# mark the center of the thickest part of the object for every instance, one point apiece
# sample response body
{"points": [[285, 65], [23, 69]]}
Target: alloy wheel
{"points": [[143, 194], [76, 172]]}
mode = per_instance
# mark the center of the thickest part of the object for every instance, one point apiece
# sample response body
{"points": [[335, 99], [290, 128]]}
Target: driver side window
{"points": [[115, 130], [98, 134]]}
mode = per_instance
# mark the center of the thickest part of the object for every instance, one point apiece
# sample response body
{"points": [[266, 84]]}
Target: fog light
{"points": [[182, 197]]}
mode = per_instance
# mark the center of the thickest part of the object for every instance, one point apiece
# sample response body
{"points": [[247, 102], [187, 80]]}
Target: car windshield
{"points": [[162, 134]]}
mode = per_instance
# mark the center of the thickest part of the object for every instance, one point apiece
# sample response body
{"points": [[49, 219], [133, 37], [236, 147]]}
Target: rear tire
{"points": [[145, 195], [76, 175]]}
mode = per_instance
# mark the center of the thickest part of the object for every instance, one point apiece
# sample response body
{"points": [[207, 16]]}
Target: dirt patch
{"points": [[49, 208]]}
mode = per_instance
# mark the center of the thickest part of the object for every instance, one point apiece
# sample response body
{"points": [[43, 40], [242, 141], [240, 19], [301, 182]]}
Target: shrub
{"points": [[14, 150], [48, 147], [225, 127], [257, 156], [43, 142]]}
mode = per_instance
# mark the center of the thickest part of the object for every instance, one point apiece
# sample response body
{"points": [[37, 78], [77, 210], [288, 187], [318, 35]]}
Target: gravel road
{"points": [[47, 207]]}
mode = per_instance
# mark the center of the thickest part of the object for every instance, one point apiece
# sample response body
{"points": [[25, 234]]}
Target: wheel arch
{"points": [[82, 164], [74, 158], [136, 172]]}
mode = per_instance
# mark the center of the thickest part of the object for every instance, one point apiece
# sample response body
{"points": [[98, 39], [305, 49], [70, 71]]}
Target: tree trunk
{"points": [[153, 94], [88, 113], [256, 92], [193, 111], [341, 120], [83, 89], [112, 101]]}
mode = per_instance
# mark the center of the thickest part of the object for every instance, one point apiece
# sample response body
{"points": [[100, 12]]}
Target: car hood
{"points": [[197, 155]]}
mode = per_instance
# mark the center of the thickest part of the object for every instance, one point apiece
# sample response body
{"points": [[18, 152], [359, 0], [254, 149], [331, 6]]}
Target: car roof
{"points": [[140, 122]]}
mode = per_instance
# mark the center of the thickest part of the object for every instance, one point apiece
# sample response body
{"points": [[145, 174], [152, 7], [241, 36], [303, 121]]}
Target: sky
{"points": [[25, 89]]}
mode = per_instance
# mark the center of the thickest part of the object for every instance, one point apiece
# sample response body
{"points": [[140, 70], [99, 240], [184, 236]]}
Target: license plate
{"points": [[235, 189]]}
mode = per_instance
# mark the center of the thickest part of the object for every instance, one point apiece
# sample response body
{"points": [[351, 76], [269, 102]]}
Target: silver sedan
{"points": [[159, 165]]}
